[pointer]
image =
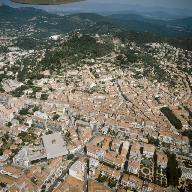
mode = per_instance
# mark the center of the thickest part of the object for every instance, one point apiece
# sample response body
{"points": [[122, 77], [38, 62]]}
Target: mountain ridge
{"points": [[53, 23]]}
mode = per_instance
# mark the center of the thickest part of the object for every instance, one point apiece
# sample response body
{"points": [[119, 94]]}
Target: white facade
{"points": [[77, 170]]}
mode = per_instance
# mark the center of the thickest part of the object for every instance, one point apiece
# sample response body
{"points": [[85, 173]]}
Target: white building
{"points": [[28, 154], [40, 115], [10, 85], [148, 150], [77, 170], [125, 148], [6, 115], [186, 173]]}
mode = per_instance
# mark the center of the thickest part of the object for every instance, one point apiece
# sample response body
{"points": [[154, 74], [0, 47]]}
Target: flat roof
{"points": [[54, 145]]}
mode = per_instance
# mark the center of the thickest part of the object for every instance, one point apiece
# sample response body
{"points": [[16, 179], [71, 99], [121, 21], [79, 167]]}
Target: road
{"points": [[60, 178]]}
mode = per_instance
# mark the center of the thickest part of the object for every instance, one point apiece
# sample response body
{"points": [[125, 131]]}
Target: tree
{"points": [[9, 124], [55, 117], [172, 170], [44, 96], [1, 151], [24, 111], [70, 156]]}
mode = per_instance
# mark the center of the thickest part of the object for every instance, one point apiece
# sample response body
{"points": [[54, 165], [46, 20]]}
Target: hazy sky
{"points": [[90, 5]]}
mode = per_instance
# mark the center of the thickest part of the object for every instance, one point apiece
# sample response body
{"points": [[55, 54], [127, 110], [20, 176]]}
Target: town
{"points": [[96, 126]]}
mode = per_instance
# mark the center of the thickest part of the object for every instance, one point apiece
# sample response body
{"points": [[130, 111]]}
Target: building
{"points": [[112, 173], [77, 170], [115, 146], [28, 154], [124, 180], [94, 186], [10, 85], [125, 149], [93, 165], [41, 115], [186, 173], [148, 150], [111, 158], [6, 115], [162, 160], [133, 166], [54, 145], [95, 152], [135, 183], [12, 171], [135, 151], [70, 184], [166, 137]]}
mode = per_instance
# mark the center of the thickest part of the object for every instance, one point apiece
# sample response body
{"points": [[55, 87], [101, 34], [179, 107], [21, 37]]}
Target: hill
{"points": [[45, 24]]}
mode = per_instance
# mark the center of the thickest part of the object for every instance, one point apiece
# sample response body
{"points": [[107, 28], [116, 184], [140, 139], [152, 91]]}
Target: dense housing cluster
{"points": [[94, 112]]}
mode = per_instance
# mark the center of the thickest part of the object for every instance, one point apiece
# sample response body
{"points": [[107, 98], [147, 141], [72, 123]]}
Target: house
{"points": [[3, 159], [16, 104], [77, 170], [106, 142], [10, 85], [95, 152], [93, 165], [12, 171], [124, 180], [7, 152], [28, 154], [135, 151], [151, 187], [81, 123], [85, 134], [181, 140], [135, 183], [162, 160], [186, 173], [112, 159], [6, 115], [115, 146], [41, 115], [104, 130], [166, 137], [70, 184], [73, 148], [94, 186], [148, 150], [125, 149], [112, 173], [134, 166]]}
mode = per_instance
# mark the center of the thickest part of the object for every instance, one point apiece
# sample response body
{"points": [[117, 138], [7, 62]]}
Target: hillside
{"points": [[128, 22]]}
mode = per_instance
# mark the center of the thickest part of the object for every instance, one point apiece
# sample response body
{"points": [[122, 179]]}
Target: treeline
{"points": [[27, 43], [72, 52], [173, 172], [183, 43], [151, 69]]}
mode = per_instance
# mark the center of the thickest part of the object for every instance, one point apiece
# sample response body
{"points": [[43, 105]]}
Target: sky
{"points": [[115, 5]]}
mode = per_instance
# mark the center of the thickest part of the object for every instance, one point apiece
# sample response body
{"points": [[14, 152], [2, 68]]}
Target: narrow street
{"points": [[60, 178]]}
